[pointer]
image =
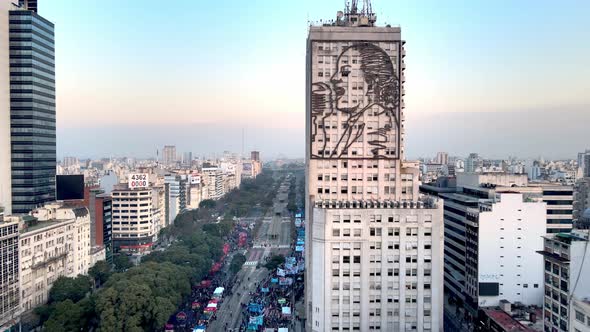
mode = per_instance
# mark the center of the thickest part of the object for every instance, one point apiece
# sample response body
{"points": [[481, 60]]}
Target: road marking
{"points": [[251, 263]]}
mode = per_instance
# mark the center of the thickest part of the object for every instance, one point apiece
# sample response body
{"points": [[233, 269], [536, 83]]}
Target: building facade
{"points": [[32, 109], [442, 158], [9, 282], [100, 207], [213, 177], [374, 249], [580, 315], [169, 155], [490, 247], [54, 242], [567, 275], [135, 222]]}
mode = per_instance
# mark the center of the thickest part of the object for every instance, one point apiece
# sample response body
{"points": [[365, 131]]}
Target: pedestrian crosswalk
{"points": [[251, 263]]}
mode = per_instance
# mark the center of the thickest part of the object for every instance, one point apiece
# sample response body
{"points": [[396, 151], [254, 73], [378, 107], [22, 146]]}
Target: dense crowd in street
{"points": [[272, 304], [201, 308]]}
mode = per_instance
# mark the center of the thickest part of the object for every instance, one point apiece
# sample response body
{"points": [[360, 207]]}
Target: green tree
{"points": [[207, 204], [66, 316], [74, 289], [100, 272], [122, 263], [236, 263], [275, 261]]}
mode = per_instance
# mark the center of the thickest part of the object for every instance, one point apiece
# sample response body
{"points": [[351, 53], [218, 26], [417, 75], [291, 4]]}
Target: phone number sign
{"points": [[139, 180]]}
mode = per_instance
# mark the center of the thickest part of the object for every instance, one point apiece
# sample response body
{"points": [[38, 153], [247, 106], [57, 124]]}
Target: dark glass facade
{"points": [[32, 110]]}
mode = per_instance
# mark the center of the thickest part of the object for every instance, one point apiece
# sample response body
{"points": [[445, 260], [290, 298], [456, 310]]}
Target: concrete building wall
{"points": [[370, 261], [57, 244], [133, 205], [580, 315], [498, 179], [509, 236]]}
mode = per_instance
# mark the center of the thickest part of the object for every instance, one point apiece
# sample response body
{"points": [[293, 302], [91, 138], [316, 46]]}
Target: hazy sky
{"points": [[497, 77]]}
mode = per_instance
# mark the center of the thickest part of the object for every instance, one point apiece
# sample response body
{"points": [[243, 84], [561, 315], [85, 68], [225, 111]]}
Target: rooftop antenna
{"points": [[354, 7], [242, 157]]}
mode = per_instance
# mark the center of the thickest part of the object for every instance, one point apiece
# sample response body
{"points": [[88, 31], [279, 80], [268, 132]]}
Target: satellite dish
{"points": [[339, 14]]}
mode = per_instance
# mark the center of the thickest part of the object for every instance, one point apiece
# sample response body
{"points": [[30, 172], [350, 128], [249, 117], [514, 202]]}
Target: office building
{"points": [[213, 177], [169, 155], [567, 280], [472, 163], [584, 164], [9, 281], [178, 191], [100, 207], [255, 155], [187, 159], [136, 219], [54, 242], [374, 247], [491, 239], [559, 198], [442, 158], [32, 108]]}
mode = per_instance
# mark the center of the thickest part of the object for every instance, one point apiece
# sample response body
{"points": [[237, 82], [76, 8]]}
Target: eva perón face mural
{"points": [[355, 101]]}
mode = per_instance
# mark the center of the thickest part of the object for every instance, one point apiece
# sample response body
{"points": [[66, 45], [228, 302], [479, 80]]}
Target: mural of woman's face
{"points": [[341, 79]]}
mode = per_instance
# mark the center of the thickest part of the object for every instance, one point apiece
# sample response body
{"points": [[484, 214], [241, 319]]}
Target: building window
{"points": [[580, 317]]}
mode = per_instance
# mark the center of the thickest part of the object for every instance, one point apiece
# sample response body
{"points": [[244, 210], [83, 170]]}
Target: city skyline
{"points": [[95, 45], [225, 166]]}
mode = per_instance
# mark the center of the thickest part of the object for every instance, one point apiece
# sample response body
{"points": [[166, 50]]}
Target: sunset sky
{"points": [[496, 77]]}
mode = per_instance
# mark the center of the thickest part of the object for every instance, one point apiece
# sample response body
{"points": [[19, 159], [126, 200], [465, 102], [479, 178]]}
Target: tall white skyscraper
{"points": [[374, 251], [5, 156]]}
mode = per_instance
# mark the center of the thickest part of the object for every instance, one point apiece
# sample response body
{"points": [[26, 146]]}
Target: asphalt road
{"points": [[229, 312]]}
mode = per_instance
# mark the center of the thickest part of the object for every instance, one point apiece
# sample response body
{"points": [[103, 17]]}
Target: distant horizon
{"points": [[537, 128]]}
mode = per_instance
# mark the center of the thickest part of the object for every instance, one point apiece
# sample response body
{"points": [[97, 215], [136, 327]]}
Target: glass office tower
{"points": [[32, 109]]}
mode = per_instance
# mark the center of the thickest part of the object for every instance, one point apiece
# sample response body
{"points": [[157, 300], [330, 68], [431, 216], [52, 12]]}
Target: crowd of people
{"points": [[272, 303], [193, 313]]}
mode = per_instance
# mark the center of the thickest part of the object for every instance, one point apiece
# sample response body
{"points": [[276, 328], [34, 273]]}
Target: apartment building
{"points": [[54, 242], [567, 280], [135, 218]]}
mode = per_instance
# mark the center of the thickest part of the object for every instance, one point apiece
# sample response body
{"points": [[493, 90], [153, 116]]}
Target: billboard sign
{"points": [[138, 180], [69, 187]]}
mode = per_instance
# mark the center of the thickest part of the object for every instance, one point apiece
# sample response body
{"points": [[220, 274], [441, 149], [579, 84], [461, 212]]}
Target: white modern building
{"points": [[492, 235], [374, 247], [510, 231], [559, 198], [136, 219]]}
